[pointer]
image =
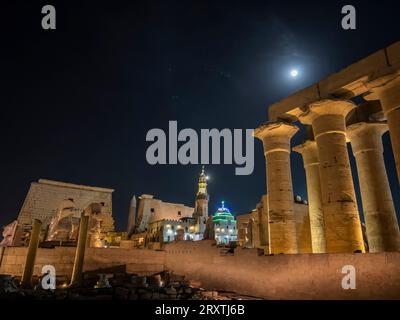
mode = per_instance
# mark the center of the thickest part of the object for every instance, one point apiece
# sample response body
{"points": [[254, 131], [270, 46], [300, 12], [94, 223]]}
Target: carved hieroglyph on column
{"points": [[309, 151], [380, 216], [387, 90], [282, 226], [341, 218]]}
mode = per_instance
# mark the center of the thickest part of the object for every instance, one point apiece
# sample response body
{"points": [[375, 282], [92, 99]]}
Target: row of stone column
{"points": [[334, 217]]}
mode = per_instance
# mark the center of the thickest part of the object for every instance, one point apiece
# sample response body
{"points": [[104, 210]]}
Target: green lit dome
{"points": [[223, 214]]}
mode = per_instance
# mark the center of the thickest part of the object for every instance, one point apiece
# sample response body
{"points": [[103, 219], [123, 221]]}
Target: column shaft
{"points": [[31, 254], [380, 216], [309, 152], [77, 272]]}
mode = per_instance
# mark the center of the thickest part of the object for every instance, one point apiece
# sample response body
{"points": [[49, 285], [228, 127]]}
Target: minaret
{"points": [[132, 216], [201, 206]]}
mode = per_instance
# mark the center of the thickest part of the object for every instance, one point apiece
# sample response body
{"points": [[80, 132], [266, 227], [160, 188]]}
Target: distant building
{"points": [[164, 231], [151, 210], [157, 222], [224, 225], [58, 205]]}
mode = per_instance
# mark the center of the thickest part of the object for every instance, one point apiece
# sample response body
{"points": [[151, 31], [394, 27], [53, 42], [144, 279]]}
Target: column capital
{"points": [[326, 107], [276, 136], [309, 151], [360, 128], [366, 136], [275, 129], [305, 147]]}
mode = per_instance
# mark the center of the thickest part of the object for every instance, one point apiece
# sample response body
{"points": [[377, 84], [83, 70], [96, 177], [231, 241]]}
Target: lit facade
{"points": [[160, 222]]}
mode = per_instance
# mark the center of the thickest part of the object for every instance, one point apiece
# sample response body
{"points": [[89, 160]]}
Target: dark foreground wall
{"points": [[304, 276]]}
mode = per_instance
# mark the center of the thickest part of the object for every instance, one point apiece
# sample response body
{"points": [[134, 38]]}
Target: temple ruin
{"points": [[330, 109], [58, 205], [290, 249]]}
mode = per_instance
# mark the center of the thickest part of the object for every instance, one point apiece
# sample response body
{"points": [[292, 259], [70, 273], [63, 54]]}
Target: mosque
{"points": [[224, 225], [155, 222]]}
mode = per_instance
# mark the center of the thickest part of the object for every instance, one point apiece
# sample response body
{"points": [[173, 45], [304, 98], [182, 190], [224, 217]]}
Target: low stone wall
{"points": [[138, 261], [305, 276]]}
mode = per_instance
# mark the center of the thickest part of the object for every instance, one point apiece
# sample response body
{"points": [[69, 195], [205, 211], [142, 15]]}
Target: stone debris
{"points": [[102, 282], [119, 286], [8, 284]]}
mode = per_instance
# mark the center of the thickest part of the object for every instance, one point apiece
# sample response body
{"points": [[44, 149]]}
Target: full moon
{"points": [[294, 73]]}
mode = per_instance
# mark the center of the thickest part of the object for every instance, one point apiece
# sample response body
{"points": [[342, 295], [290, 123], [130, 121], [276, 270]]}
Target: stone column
{"points": [[339, 204], [309, 152], [31, 255], [380, 216], [387, 90], [77, 272], [282, 226]]}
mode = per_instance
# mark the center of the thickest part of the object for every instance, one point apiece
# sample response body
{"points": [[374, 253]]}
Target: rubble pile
{"points": [[118, 286]]}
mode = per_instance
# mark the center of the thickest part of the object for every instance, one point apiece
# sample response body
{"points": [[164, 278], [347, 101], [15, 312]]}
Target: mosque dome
{"points": [[223, 214]]}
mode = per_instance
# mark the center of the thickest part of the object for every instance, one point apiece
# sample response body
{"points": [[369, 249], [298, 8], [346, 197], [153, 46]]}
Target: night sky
{"points": [[77, 102]]}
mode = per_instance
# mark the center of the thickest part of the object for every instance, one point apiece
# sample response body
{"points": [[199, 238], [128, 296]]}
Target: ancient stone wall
{"points": [[305, 276], [303, 230], [44, 197], [151, 210], [139, 261]]}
